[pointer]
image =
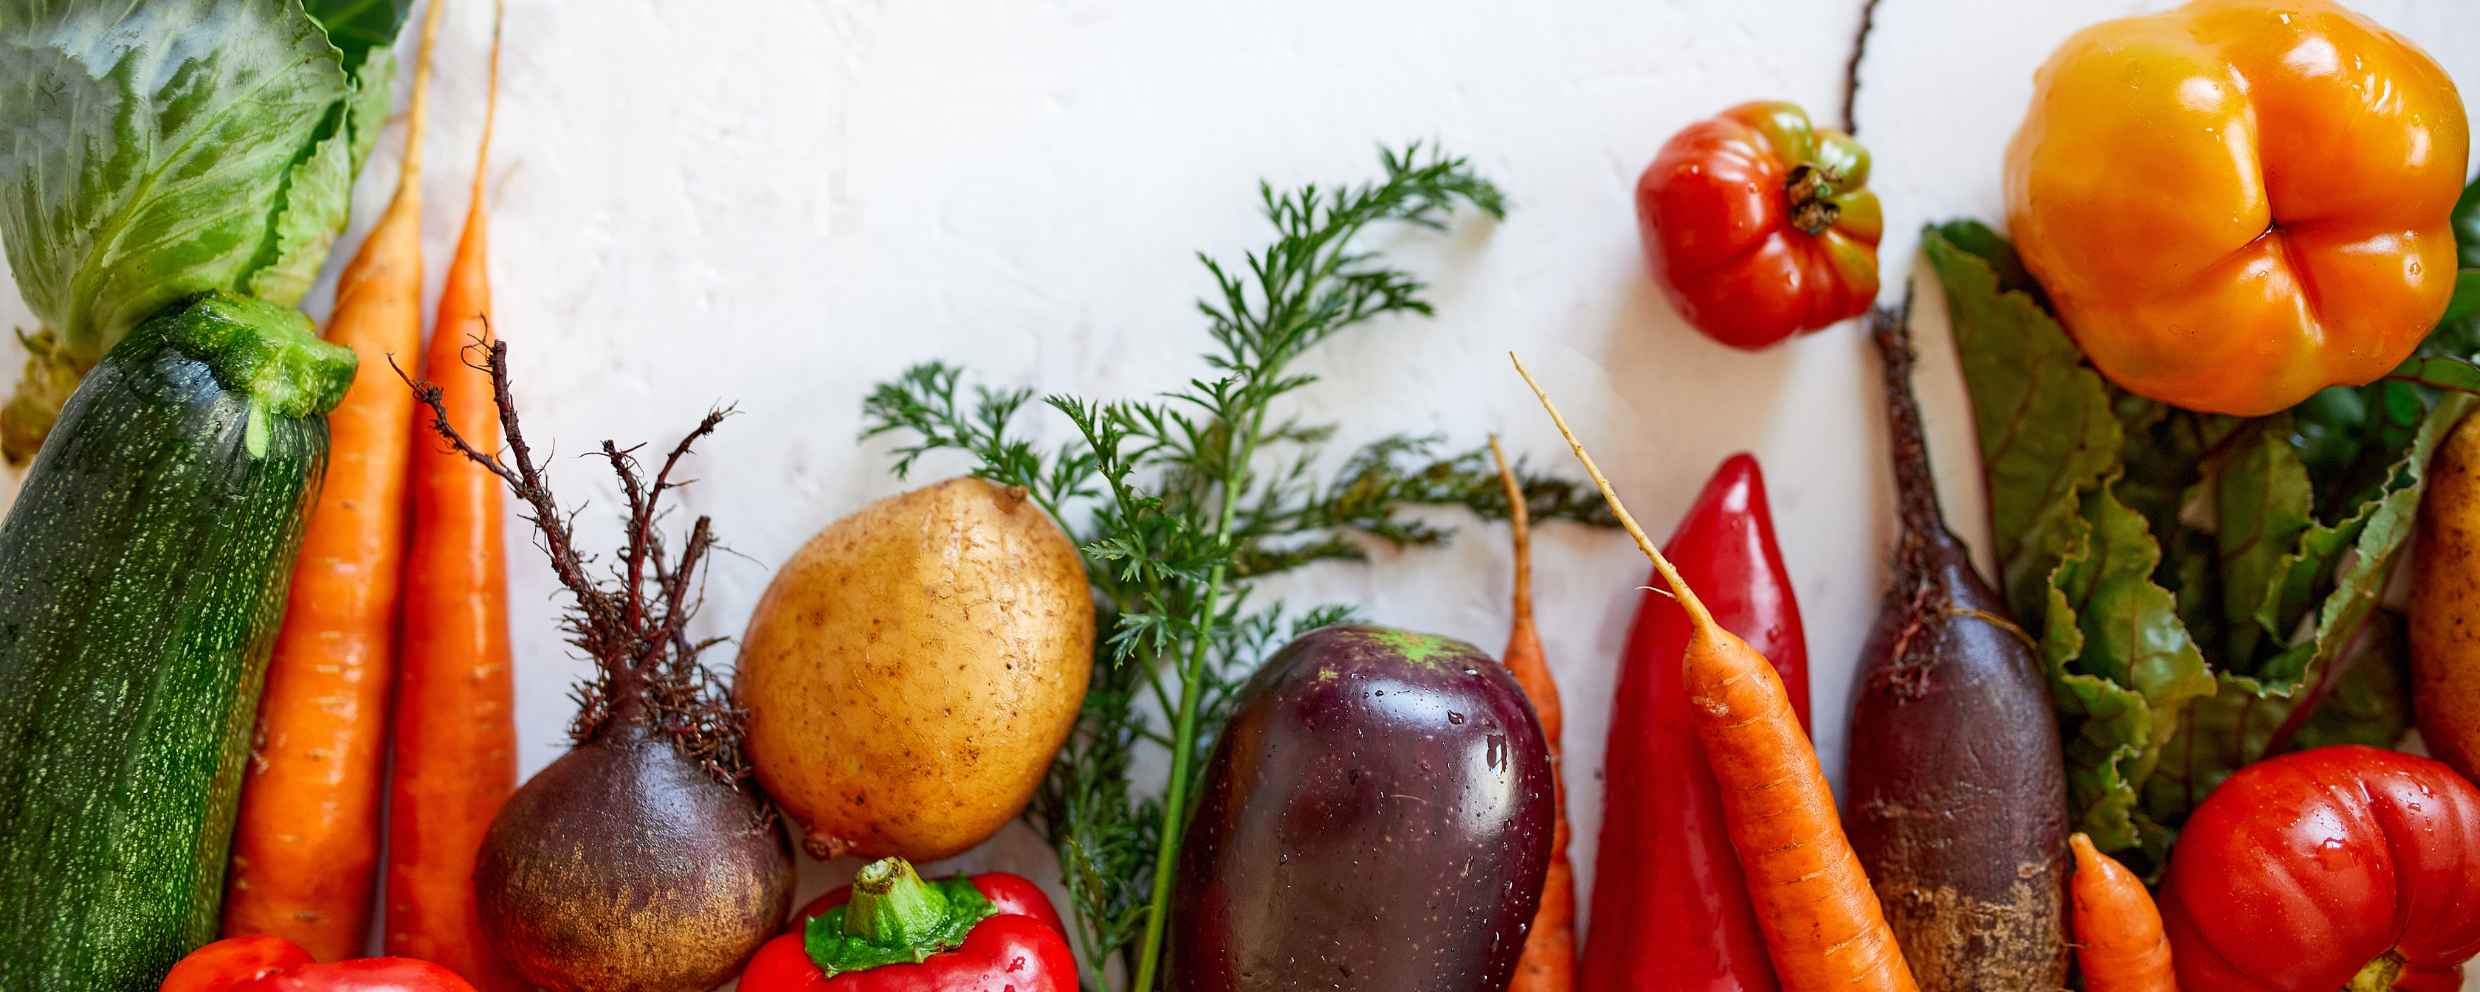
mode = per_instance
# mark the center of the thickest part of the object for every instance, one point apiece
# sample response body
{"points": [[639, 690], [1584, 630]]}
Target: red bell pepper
{"points": [[1011, 895], [1760, 225], [892, 932], [1670, 908], [267, 963], [2342, 867]]}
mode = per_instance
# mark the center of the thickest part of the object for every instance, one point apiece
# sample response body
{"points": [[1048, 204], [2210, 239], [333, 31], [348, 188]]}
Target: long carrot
{"points": [[1549, 961], [305, 858], [2118, 932], [1823, 926], [455, 747]]}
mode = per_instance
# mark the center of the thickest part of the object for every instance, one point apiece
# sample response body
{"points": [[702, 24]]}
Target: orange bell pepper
{"points": [[2237, 203]]}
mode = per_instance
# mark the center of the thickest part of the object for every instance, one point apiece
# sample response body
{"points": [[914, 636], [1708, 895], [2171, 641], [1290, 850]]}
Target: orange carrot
{"points": [[2118, 933], [1823, 926], [1549, 961], [456, 741], [305, 857]]}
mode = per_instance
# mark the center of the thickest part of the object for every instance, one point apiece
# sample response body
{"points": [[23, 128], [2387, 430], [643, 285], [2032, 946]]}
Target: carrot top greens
{"points": [[1183, 503]]}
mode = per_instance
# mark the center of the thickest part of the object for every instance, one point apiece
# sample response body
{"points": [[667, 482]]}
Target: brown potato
{"points": [[911, 671], [2445, 603]]}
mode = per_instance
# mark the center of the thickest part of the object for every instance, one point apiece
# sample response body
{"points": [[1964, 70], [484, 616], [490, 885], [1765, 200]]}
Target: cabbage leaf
{"points": [[153, 151]]}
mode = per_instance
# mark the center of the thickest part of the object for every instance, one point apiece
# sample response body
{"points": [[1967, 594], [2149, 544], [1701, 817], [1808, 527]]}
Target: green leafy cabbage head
{"points": [[153, 151]]}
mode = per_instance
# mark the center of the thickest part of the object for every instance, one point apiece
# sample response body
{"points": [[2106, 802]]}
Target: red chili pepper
{"points": [[1670, 907], [267, 963], [892, 932], [1760, 225], [2338, 867]]}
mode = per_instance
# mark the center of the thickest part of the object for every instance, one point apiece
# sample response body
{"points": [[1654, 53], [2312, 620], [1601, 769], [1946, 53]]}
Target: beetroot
{"points": [[1955, 795], [645, 859]]}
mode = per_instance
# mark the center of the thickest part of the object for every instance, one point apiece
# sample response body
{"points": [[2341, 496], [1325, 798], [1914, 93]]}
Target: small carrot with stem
{"points": [[305, 858], [1823, 926], [455, 731], [1549, 961], [2119, 939]]}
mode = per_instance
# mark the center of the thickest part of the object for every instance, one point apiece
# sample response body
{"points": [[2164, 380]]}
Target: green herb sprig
{"points": [[1182, 503]]}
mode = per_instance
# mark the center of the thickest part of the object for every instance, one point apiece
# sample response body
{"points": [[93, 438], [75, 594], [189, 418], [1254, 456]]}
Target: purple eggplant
{"points": [[1376, 818]]}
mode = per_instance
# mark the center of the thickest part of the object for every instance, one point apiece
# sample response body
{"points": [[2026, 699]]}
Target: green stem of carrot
{"points": [[1184, 732]]}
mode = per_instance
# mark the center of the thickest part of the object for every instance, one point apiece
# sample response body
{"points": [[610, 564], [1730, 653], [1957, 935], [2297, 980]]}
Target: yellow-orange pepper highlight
{"points": [[2239, 202]]}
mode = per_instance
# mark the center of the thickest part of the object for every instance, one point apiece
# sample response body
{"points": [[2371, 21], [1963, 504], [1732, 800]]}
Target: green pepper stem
{"points": [[1811, 191], [2380, 974], [892, 905]]}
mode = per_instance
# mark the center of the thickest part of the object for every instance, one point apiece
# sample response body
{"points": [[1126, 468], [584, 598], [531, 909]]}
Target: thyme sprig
{"points": [[1183, 502]]}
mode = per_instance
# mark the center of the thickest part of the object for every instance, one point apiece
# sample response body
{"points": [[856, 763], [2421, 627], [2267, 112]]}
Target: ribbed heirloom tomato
{"points": [[2342, 866], [2238, 203], [1760, 225]]}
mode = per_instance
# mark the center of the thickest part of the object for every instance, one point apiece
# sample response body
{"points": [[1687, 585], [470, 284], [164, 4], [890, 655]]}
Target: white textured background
{"points": [[782, 202]]}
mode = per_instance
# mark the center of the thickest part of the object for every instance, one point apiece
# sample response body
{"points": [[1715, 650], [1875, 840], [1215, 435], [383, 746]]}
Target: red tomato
{"points": [[266, 963], [2303, 872], [1760, 225]]}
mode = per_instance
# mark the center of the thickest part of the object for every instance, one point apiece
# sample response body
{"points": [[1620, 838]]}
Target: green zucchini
{"points": [[142, 576]]}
